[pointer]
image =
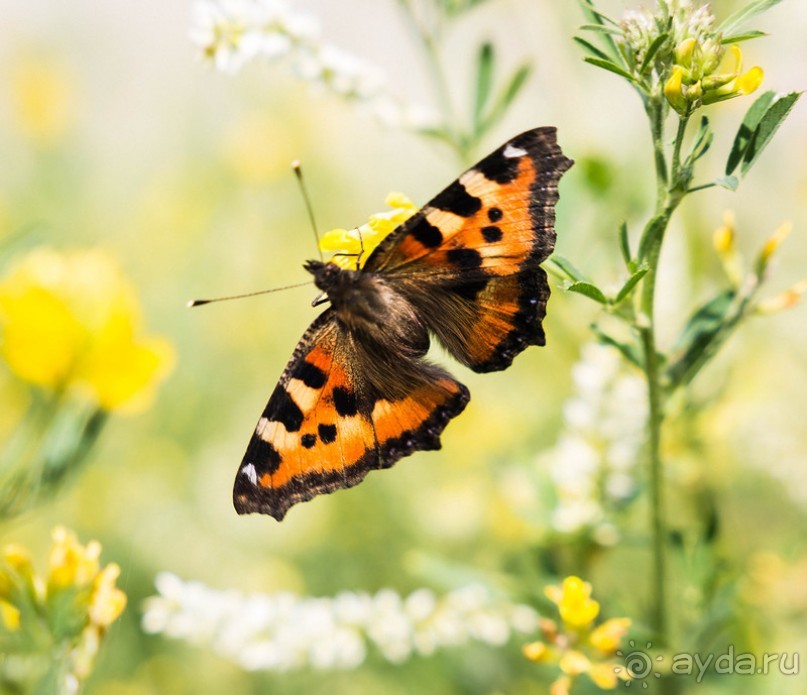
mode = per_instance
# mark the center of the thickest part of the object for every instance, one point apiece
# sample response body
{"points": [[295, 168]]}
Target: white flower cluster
{"points": [[591, 465], [690, 18], [281, 632], [232, 33]]}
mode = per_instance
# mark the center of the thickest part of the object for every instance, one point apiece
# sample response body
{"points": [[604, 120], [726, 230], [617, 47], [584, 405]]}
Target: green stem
{"points": [[667, 200], [429, 39]]}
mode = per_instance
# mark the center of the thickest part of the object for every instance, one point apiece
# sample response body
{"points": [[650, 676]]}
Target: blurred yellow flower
{"points": [[107, 601], [71, 320], [606, 637], [42, 100], [75, 602], [725, 243], [574, 602], [69, 562], [576, 647], [348, 244], [775, 241]]}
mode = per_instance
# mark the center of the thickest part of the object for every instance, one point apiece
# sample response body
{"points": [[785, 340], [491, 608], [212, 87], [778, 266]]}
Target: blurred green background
{"points": [[183, 173]]}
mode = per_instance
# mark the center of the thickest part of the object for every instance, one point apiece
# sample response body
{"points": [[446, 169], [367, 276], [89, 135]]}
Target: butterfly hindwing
{"points": [[469, 259], [326, 425]]}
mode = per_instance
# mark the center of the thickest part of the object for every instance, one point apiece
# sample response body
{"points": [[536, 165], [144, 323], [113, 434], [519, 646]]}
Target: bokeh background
{"points": [[135, 145]]}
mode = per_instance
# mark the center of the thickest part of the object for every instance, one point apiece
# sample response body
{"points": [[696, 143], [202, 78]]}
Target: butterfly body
{"points": [[357, 394]]}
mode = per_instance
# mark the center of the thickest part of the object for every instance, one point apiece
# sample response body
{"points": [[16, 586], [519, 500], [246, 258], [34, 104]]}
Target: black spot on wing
{"points": [[496, 167], [282, 408], [470, 290], [327, 433], [456, 199], [345, 402], [495, 214], [492, 234], [308, 440], [262, 455], [426, 233], [311, 375], [464, 258]]}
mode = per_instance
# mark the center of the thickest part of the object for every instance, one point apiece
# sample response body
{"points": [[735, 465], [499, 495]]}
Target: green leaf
{"points": [[654, 228], [611, 67], [632, 353], [602, 29], [630, 284], [699, 335], [703, 140], [745, 36], [624, 243], [728, 182], [591, 11], [507, 95], [588, 289], [591, 48], [741, 16], [658, 42], [747, 128], [773, 118], [595, 16], [484, 81], [566, 268]]}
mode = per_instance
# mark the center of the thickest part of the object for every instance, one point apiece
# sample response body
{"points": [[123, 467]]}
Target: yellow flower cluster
{"points": [[704, 73], [76, 601], [348, 245], [576, 646], [71, 321], [725, 243]]}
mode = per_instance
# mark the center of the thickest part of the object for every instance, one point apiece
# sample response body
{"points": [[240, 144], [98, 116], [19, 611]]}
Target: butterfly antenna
{"points": [[298, 172], [199, 302]]}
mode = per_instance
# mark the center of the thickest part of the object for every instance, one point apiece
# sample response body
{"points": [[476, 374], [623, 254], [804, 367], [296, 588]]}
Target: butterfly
{"points": [[357, 394]]}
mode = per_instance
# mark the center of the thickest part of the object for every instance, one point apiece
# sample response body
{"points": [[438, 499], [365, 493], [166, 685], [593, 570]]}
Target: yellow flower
{"points": [[75, 602], [42, 102], [606, 676], [9, 616], [350, 244], [607, 636], [725, 243], [71, 564], [573, 598], [71, 320], [577, 648], [674, 90], [574, 663], [775, 241], [536, 651], [561, 686], [107, 601], [785, 300], [705, 73]]}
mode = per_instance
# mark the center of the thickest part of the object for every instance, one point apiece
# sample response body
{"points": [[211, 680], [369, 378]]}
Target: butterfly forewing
{"points": [[469, 259]]}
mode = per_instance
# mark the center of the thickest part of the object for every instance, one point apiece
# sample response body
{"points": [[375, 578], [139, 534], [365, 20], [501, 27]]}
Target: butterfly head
{"points": [[326, 275]]}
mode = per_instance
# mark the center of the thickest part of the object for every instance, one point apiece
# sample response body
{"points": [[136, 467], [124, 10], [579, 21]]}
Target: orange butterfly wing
{"points": [[325, 427], [469, 259]]}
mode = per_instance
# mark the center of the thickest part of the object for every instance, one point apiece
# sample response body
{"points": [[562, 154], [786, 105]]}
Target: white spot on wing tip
{"points": [[511, 151], [251, 473]]}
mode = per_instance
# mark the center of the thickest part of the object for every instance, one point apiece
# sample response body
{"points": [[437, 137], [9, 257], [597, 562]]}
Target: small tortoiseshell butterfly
{"points": [[357, 394]]}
